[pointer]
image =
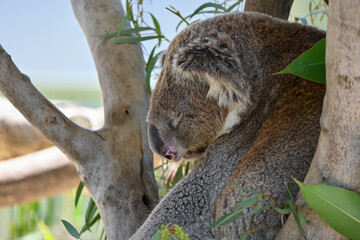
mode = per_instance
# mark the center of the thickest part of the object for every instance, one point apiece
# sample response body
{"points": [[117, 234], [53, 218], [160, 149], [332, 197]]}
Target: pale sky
{"points": [[46, 42]]}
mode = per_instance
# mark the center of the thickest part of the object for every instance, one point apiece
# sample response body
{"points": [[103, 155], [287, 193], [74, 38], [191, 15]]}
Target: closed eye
{"points": [[191, 116]]}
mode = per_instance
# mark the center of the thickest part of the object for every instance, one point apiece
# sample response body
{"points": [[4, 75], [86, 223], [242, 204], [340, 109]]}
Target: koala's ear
{"points": [[214, 59]]}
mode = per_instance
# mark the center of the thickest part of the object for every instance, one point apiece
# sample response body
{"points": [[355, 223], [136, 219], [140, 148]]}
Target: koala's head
{"points": [[182, 120], [198, 87]]}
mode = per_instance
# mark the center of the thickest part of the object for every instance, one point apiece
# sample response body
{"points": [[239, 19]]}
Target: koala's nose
{"points": [[156, 143]]}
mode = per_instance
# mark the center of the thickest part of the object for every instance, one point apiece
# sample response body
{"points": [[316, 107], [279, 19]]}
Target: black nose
{"points": [[156, 143]]}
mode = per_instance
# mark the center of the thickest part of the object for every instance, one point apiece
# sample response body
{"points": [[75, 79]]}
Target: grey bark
{"points": [[337, 158], [275, 8], [115, 162]]}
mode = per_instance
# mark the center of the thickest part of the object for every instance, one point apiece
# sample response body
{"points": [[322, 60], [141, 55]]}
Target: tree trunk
{"points": [[115, 162], [337, 158], [275, 8]]}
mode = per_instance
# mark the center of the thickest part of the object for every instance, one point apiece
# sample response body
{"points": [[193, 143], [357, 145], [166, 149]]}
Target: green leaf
{"points": [[90, 212], [296, 217], [246, 203], [127, 32], [136, 39], [78, 192], [156, 236], [244, 188], [156, 24], [121, 25], [150, 66], [178, 175], [187, 168], [226, 219], [73, 232], [229, 9], [207, 5], [310, 65], [283, 211], [339, 207], [90, 224]]}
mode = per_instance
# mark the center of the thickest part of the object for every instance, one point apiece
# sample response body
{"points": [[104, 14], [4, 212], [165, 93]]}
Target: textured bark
{"points": [[337, 158], [275, 8], [115, 162], [35, 176]]}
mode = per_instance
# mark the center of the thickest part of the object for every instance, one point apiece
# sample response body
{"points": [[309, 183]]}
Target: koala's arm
{"points": [[190, 204]]}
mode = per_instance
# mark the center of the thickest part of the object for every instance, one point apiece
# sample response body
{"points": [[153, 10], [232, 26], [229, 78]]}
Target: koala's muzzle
{"points": [[161, 148]]}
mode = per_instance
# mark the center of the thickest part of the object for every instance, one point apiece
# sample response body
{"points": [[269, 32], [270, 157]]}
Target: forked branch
{"points": [[40, 112]]}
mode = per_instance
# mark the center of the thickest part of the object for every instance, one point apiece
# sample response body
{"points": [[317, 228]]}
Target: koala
{"points": [[217, 99]]}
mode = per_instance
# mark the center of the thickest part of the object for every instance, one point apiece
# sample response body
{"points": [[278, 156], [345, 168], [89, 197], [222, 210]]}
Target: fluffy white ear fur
{"points": [[213, 59]]}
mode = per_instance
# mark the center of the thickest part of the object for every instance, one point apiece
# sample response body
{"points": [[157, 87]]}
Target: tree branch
{"points": [[41, 113], [35, 176], [119, 84], [275, 8]]}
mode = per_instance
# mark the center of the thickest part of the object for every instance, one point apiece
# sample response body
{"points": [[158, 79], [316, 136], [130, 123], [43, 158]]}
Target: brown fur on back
{"points": [[217, 98]]}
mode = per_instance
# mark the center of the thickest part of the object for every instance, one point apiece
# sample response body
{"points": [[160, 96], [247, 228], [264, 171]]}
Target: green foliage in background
{"points": [[255, 203], [170, 231]]}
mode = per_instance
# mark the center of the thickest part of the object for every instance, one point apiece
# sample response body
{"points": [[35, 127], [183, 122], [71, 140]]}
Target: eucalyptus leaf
{"points": [[310, 65], [73, 232], [207, 5], [90, 212], [136, 39], [246, 203], [90, 224], [229, 9], [340, 208], [78, 192]]}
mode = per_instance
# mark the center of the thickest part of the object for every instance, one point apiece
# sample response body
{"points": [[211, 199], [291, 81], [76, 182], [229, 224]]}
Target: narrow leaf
{"points": [[90, 224], [121, 25], [310, 65], [246, 203], [296, 217], [156, 24], [73, 232], [244, 188], [229, 9], [136, 39], [283, 211], [339, 207], [226, 219], [207, 5], [90, 212], [178, 175], [78, 192]]}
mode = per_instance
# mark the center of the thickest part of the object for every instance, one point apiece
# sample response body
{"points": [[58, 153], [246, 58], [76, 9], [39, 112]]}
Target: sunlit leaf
{"points": [[73, 232], [78, 192], [207, 5], [229, 9], [156, 24], [339, 207], [310, 65]]}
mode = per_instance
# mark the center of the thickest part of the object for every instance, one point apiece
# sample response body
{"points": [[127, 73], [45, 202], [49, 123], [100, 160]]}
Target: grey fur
{"points": [[212, 68]]}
